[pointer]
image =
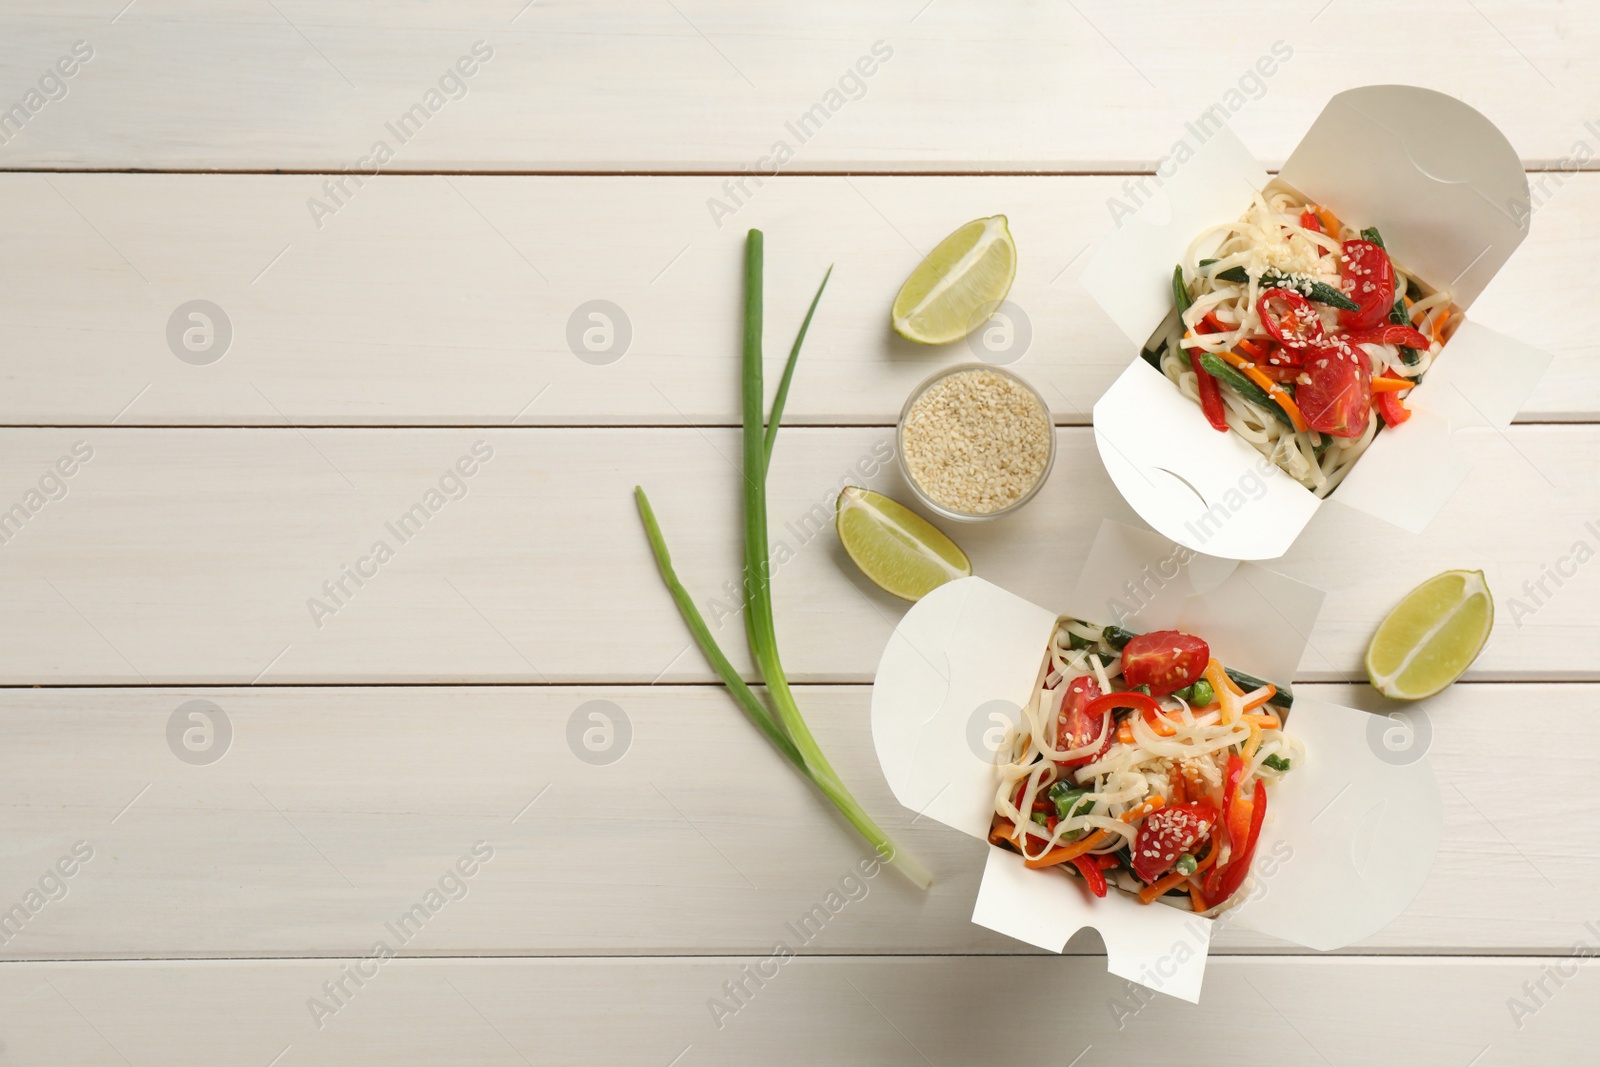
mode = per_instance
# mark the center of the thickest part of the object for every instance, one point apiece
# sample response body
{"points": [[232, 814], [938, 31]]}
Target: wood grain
{"points": [[201, 556], [913, 1012], [714, 84], [448, 300], [382, 325], [325, 814]]}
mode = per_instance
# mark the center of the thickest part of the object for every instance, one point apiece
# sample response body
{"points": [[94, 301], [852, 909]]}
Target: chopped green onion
{"points": [[1276, 762]]}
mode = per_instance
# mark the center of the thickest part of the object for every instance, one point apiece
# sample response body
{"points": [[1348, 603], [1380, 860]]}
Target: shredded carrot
{"points": [[1160, 889], [1155, 803], [1067, 852], [1179, 793], [1278, 393], [1254, 743], [1330, 223], [1160, 724], [1094, 840], [1258, 697], [1265, 722], [1197, 899], [1441, 317], [1124, 733], [1002, 830], [1392, 385]]}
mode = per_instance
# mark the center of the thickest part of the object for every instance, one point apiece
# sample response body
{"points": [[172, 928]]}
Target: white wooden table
{"points": [[380, 332]]}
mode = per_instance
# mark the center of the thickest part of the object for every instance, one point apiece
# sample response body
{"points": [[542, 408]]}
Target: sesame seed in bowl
{"points": [[975, 442]]}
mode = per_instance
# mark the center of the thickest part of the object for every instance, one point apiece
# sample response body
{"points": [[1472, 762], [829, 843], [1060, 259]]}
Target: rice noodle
{"points": [[1127, 775], [1269, 235]]}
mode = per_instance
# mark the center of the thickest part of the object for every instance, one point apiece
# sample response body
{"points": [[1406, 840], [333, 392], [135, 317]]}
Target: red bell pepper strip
{"points": [[1210, 392], [1230, 778], [1388, 335], [1108, 860], [1309, 221], [1126, 699], [1390, 407], [1232, 876], [1211, 404], [1138, 702], [1089, 867]]}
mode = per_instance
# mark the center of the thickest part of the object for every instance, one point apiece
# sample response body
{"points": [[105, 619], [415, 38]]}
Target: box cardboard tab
{"points": [[1351, 834], [1448, 193]]}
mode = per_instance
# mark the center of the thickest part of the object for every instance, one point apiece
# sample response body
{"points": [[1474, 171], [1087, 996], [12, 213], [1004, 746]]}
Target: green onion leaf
{"points": [[783, 724]]}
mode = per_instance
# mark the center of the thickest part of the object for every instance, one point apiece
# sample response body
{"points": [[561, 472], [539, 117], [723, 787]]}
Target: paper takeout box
{"points": [[1350, 835], [1448, 193]]}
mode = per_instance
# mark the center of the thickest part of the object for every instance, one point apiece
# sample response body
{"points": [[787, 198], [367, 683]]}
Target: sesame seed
{"points": [[977, 441]]}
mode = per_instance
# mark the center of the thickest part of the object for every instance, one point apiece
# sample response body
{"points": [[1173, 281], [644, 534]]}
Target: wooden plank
{"points": [[715, 85], [435, 300], [201, 556], [307, 821], [871, 1011]]}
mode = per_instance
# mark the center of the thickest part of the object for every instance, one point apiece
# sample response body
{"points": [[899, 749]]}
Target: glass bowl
{"points": [[946, 510]]}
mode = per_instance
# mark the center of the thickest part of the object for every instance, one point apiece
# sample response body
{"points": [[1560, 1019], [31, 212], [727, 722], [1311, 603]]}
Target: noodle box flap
{"points": [[1351, 832], [1449, 195]]}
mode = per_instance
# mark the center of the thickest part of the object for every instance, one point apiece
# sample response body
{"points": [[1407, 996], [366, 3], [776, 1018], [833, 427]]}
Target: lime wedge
{"points": [[901, 552], [959, 285], [1432, 636]]}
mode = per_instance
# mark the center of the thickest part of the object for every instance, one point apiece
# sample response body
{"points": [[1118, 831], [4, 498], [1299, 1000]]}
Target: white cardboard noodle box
{"points": [[1350, 835], [1449, 195]]}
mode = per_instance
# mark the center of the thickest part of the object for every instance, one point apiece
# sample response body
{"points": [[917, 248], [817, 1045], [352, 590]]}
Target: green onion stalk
{"points": [[786, 730]]}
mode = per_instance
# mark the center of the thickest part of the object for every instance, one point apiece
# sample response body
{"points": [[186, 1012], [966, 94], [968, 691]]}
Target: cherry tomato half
{"points": [[1165, 660], [1075, 727], [1369, 280], [1291, 320], [1169, 833], [1336, 394]]}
